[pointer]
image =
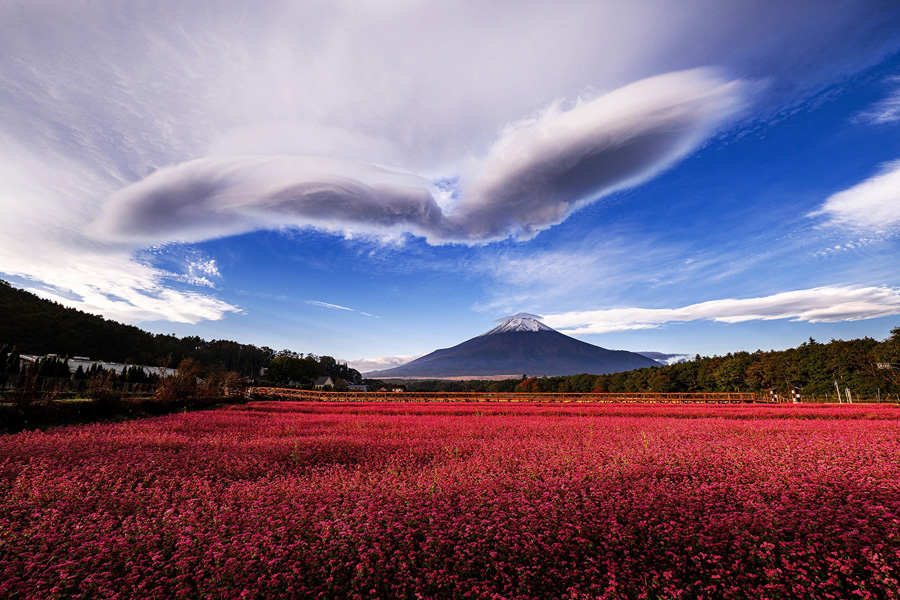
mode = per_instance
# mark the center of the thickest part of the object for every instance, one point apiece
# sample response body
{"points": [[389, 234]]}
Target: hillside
{"points": [[38, 326], [34, 325]]}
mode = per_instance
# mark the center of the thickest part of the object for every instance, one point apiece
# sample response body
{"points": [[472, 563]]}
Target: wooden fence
{"points": [[611, 397]]}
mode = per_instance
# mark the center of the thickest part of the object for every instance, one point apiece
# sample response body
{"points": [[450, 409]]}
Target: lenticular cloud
{"points": [[214, 197], [535, 175]]}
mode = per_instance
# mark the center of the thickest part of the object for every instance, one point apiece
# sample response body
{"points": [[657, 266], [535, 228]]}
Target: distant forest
{"points": [[33, 325]]}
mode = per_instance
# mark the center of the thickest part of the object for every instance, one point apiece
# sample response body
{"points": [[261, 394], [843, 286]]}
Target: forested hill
{"points": [[37, 326]]}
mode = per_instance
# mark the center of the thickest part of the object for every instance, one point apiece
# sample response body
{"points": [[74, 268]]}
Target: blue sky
{"points": [[375, 180]]}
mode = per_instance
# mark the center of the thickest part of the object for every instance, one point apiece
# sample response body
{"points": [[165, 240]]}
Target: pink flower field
{"points": [[310, 500]]}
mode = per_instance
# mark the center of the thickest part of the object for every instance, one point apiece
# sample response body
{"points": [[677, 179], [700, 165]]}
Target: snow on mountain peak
{"points": [[519, 324]]}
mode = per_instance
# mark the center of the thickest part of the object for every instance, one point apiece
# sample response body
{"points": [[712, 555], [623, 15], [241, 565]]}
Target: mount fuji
{"points": [[520, 345]]}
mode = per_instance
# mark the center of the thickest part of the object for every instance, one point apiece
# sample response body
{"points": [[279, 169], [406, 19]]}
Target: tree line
{"points": [[33, 325]]}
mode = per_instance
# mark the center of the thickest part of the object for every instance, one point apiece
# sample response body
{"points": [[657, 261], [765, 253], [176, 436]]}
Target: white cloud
{"points": [[321, 304], [262, 295], [560, 277], [216, 197], [871, 206], [45, 243], [139, 102], [198, 271], [367, 365], [119, 289], [535, 176], [330, 306], [196, 281], [666, 359], [884, 111], [823, 304]]}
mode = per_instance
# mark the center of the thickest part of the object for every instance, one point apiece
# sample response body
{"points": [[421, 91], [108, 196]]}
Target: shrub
{"points": [[101, 390], [178, 388], [33, 395]]}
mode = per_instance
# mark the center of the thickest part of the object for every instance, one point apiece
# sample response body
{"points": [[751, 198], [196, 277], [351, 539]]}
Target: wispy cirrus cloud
{"points": [[822, 304], [884, 111], [118, 289], [330, 306], [321, 304], [562, 276], [261, 295], [871, 206]]}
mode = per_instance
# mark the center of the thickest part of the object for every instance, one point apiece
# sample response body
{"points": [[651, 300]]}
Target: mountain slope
{"points": [[516, 347]]}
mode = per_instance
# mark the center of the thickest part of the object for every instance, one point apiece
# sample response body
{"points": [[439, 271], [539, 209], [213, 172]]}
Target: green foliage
{"points": [[290, 370], [888, 352], [44, 327], [137, 374], [9, 359], [178, 388], [337, 370], [52, 366], [34, 394], [812, 367], [210, 389], [101, 389]]}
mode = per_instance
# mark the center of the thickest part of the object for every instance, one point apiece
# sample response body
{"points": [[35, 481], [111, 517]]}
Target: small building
{"points": [[25, 359], [352, 387], [323, 382], [86, 363]]}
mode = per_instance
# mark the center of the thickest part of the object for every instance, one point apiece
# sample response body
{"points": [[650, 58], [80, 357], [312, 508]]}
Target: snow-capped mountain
{"points": [[520, 345], [518, 324]]}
